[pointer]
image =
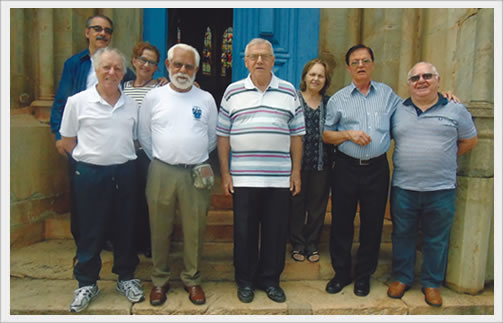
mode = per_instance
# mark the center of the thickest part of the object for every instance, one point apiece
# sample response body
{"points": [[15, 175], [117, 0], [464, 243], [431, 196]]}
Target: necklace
{"points": [[143, 83]]}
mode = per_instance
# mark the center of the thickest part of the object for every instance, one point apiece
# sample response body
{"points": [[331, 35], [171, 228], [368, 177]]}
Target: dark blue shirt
{"points": [[73, 80]]}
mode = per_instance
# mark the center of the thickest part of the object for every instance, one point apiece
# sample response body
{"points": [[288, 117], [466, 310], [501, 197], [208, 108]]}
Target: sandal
{"points": [[298, 255], [314, 256]]}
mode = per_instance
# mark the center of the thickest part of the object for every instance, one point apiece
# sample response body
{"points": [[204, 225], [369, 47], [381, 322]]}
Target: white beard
{"points": [[182, 81]]}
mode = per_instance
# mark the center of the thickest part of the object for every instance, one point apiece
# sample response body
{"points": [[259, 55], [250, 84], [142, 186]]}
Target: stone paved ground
{"points": [[41, 284]]}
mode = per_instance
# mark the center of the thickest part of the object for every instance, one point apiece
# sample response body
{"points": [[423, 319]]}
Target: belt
{"points": [[186, 166], [360, 162]]}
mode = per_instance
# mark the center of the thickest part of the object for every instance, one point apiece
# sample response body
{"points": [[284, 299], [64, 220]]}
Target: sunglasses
{"points": [[179, 65], [425, 76], [99, 29], [147, 61]]}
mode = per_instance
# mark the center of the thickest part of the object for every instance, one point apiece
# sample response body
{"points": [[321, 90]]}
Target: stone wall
{"points": [[41, 41], [459, 42]]}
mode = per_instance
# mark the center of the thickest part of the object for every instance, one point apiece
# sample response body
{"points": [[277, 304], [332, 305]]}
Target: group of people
{"points": [[138, 151]]}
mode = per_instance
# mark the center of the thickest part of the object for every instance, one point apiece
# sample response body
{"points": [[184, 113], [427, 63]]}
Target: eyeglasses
{"points": [[426, 77], [364, 61], [188, 67], [99, 29], [254, 57], [147, 61]]}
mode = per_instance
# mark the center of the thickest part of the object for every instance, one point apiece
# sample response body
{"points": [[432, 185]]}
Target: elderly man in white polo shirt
{"points": [[98, 130], [177, 129], [429, 133]]}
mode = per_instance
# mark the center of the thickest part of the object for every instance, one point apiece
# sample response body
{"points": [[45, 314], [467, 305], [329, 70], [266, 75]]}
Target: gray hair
{"points": [[101, 51], [256, 41], [435, 71], [171, 52], [88, 23]]}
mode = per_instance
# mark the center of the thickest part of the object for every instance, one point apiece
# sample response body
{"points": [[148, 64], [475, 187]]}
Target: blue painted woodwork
{"points": [[293, 32], [155, 31]]}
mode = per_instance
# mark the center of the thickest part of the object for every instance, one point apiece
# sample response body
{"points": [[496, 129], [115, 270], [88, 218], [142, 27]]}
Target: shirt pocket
{"points": [[382, 121]]}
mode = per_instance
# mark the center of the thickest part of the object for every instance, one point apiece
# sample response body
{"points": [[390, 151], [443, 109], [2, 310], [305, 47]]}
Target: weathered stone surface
{"points": [[469, 241], [53, 297]]}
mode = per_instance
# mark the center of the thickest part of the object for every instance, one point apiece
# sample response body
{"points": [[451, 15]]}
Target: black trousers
{"points": [[368, 186], [105, 199], [311, 203], [260, 235], [142, 217]]}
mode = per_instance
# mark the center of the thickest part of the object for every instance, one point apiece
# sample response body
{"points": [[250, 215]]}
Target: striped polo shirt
{"points": [[259, 125], [425, 156], [349, 109]]}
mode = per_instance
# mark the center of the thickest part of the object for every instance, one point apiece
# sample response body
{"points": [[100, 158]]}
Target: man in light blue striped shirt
{"points": [[429, 134], [358, 122]]}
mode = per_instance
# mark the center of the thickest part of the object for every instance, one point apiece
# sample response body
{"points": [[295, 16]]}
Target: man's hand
{"points": [[295, 183], [227, 184], [60, 148], [162, 81], [358, 137], [449, 96]]}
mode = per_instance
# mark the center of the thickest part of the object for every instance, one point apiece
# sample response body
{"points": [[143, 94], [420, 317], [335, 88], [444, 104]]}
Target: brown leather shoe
{"points": [[196, 294], [432, 296], [158, 295], [397, 289]]}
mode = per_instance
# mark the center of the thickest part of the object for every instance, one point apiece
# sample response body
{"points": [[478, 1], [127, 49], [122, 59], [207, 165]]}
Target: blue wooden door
{"points": [[293, 32]]}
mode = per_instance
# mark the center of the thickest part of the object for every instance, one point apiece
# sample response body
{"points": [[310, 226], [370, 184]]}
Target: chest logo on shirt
{"points": [[197, 111]]}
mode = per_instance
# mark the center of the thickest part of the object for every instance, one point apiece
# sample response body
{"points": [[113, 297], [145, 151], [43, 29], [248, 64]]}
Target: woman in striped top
{"points": [[145, 60], [312, 200]]}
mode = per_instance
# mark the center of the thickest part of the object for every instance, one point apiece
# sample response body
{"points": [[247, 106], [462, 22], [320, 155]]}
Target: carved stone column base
{"points": [[41, 109]]}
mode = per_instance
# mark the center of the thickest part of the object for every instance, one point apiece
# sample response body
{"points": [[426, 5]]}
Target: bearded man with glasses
{"points": [[430, 133]]}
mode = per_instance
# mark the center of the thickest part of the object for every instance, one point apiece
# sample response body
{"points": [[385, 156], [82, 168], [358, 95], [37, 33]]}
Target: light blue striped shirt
{"points": [[349, 109], [426, 146]]}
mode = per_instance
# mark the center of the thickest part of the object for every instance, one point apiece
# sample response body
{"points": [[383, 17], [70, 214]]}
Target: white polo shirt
{"points": [[178, 127], [105, 133]]}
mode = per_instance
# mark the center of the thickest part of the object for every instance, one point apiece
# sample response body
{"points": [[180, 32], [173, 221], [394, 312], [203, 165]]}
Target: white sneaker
{"points": [[132, 289], [83, 296]]}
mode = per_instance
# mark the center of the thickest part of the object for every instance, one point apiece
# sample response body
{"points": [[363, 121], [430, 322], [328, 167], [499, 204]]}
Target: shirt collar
{"points": [[371, 87], [274, 83], [441, 101], [84, 55], [96, 97]]}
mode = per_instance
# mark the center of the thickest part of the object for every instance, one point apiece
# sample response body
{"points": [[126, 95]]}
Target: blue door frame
{"points": [[294, 33]]}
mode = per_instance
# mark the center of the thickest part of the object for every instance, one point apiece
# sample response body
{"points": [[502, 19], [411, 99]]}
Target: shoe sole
{"points": [[245, 300], [72, 310]]}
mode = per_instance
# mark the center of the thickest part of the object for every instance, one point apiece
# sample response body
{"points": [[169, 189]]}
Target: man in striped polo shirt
{"points": [[260, 127], [429, 134]]}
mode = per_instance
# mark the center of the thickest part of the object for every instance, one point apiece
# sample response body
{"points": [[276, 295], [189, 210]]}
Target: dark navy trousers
{"points": [[105, 201]]}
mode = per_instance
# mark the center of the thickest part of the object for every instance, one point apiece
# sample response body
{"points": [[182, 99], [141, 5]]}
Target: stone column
{"points": [[41, 107], [471, 238]]}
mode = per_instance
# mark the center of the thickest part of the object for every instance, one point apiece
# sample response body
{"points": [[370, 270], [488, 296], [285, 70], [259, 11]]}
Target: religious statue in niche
{"points": [[226, 57], [207, 52]]}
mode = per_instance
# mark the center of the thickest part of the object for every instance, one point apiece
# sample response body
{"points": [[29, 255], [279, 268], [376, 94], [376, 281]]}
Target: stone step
{"points": [[219, 227], [53, 259], [304, 297]]}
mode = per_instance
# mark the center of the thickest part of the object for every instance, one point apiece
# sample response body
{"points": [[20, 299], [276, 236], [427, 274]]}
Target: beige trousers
{"points": [[168, 187]]}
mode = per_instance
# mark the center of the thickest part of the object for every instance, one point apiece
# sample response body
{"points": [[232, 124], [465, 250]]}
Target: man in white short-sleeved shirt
{"points": [[98, 130]]}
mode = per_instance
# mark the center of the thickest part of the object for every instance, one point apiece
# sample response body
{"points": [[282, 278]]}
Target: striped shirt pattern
{"points": [[260, 125], [349, 109], [138, 93], [425, 155]]}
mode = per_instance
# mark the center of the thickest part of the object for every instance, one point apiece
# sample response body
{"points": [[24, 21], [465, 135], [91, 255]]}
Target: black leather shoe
{"points": [[275, 293], [246, 294], [362, 287], [334, 286]]}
